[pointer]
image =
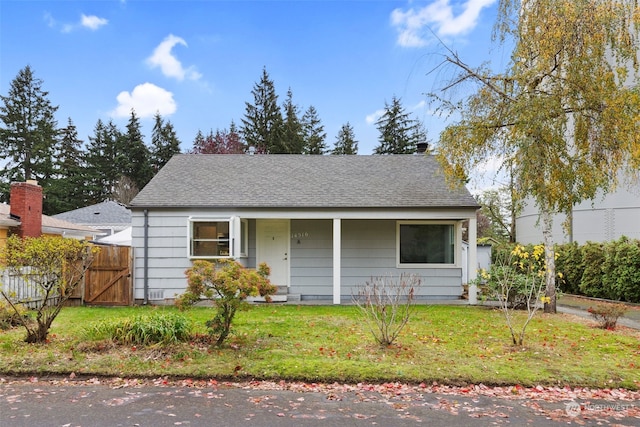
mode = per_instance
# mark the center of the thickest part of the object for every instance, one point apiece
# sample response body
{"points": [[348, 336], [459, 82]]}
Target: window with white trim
{"points": [[421, 243], [218, 237]]}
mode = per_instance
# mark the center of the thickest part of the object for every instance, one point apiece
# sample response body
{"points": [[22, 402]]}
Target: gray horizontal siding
{"points": [[368, 250], [167, 234], [311, 269]]}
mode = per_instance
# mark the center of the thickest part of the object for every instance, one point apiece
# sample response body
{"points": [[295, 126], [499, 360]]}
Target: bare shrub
{"points": [[386, 305], [518, 283]]}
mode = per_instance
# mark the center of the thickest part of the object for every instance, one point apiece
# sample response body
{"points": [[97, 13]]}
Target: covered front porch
{"points": [[325, 259]]}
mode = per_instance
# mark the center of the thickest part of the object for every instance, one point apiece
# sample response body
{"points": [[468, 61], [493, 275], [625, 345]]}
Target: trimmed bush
{"points": [[570, 263], [626, 271], [593, 259], [607, 314]]}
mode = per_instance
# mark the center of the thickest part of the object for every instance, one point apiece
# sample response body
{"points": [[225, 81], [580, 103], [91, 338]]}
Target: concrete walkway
{"points": [[578, 305]]}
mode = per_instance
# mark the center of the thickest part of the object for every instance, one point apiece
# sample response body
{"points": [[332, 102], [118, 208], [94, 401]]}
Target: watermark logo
{"points": [[573, 409]]}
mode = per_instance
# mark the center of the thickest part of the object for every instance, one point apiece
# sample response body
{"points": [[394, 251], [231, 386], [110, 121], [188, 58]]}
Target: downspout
{"points": [[146, 257]]}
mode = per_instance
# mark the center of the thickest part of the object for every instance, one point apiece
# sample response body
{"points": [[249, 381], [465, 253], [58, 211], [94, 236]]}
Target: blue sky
{"points": [[196, 62]]}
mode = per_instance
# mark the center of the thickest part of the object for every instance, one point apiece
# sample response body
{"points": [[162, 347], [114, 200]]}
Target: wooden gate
{"points": [[108, 280]]}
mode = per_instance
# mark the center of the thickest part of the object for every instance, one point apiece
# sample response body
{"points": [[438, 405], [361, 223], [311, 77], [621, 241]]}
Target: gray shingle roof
{"points": [[105, 213], [299, 181]]}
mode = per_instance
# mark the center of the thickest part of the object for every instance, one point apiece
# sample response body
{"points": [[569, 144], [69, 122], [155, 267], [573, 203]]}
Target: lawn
{"points": [[446, 344]]}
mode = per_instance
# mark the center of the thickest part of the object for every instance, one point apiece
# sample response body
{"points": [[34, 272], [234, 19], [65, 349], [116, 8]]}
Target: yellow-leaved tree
{"points": [[563, 114], [51, 268]]}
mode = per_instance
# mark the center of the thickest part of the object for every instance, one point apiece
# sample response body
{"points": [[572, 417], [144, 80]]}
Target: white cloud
{"points": [[373, 117], [168, 63], [48, 18], [414, 25], [92, 22], [146, 99], [89, 22]]}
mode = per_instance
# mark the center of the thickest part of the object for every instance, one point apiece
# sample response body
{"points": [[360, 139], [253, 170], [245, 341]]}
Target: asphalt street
{"points": [[45, 403]]}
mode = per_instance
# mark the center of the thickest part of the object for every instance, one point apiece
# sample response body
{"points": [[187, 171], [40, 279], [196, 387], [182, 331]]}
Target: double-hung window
{"points": [[217, 237], [422, 243]]}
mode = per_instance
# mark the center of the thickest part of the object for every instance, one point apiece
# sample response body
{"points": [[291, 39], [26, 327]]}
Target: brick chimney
{"points": [[26, 202]]}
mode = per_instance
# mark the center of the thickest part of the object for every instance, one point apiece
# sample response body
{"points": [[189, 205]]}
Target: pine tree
{"points": [[292, 132], [164, 143], [199, 142], [67, 189], [399, 133], [28, 132], [314, 134], [345, 141], [103, 163], [136, 154], [262, 122]]}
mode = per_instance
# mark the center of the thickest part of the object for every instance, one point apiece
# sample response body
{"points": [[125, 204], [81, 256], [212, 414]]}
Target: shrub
{"points": [[54, 267], [571, 265], [227, 284], [591, 281], [156, 328], [386, 305], [625, 280], [607, 314], [608, 268], [518, 282]]}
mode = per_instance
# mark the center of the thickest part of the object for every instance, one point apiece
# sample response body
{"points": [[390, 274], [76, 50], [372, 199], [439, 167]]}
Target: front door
{"points": [[272, 247]]}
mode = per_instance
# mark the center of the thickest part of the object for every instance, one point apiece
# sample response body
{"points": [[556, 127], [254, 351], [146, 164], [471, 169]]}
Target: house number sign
{"points": [[299, 235]]}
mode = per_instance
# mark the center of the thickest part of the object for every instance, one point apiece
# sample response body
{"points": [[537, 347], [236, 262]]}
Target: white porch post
{"points": [[337, 256], [472, 267]]}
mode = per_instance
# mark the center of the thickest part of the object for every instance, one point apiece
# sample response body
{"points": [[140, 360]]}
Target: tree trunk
{"points": [[550, 261]]}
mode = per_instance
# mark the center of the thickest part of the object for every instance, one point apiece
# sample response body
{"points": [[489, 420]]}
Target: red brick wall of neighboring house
{"points": [[26, 202]]}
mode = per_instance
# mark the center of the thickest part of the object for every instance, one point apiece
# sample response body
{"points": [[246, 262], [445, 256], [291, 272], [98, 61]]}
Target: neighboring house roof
{"points": [[302, 181], [50, 225], [108, 213], [6, 220]]}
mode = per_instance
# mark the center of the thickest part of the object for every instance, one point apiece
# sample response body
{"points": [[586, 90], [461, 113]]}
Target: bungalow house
{"points": [[24, 216], [324, 224]]}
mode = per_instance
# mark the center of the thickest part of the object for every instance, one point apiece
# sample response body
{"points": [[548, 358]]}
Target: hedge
{"points": [[600, 270]]}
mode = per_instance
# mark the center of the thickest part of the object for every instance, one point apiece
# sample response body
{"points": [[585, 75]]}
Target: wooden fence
{"points": [[19, 287], [107, 282]]}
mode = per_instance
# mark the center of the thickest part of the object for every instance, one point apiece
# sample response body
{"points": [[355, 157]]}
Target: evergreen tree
{"points": [[199, 142], [66, 190], [262, 122], [314, 134], [164, 143], [103, 163], [136, 154], [345, 141], [399, 133], [28, 132], [292, 141]]}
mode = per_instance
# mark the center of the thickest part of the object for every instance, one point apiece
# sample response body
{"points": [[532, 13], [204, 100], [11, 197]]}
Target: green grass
{"points": [[447, 344]]}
